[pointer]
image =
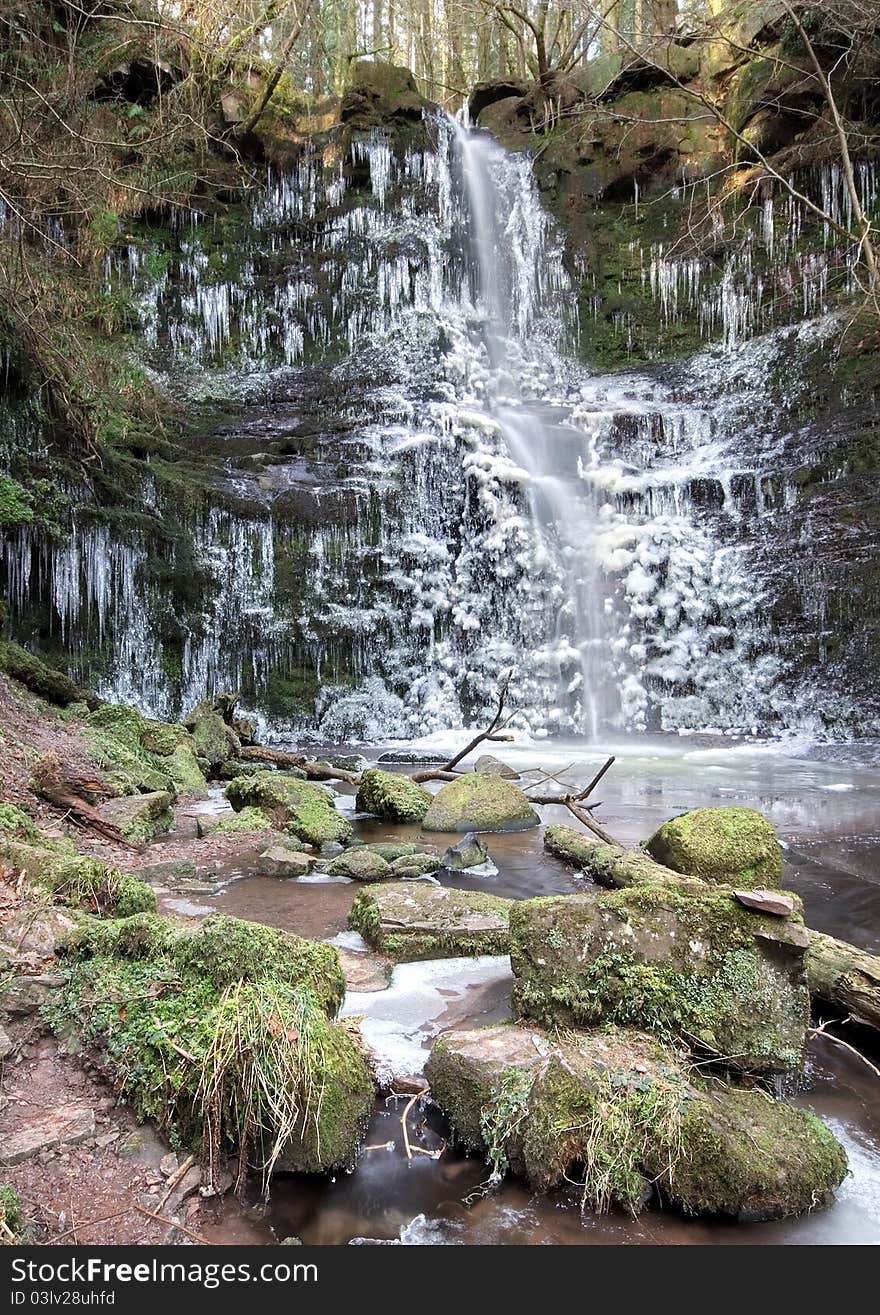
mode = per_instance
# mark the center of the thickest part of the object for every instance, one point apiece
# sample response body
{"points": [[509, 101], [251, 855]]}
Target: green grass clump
{"points": [[15, 822], [249, 819], [12, 1217], [86, 883]]}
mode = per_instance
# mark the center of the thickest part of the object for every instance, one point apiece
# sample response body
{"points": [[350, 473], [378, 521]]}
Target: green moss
{"points": [[162, 737], [183, 768], [226, 950], [409, 921], [478, 802], [221, 1036], [12, 1215], [680, 962], [303, 808], [127, 766], [16, 823], [361, 864], [89, 884], [16, 506], [37, 676], [392, 796], [249, 819], [733, 845]]}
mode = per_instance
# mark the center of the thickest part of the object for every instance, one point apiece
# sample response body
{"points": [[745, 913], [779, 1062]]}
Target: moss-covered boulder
{"points": [[113, 734], [182, 766], [226, 1038], [304, 809], [163, 737], [55, 869], [409, 920], [213, 739], [687, 961], [249, 819], [360, 864], [478, 802], [380, 94], [415, 865], [391, 796], [140, 817], [737, 846], [622, 1115], [41, 679], [281, 861]]}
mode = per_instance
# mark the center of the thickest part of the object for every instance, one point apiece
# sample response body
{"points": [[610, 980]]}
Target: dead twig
{"points": [[170, 1223], [407, 1146], [820, 1031], [177, 1177]]}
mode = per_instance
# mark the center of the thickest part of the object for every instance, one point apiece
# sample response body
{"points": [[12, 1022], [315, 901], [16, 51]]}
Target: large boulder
{"points": [[213, 739], [623, 1114], [281, 861], [737, 846], [391, 796], [479, 802], [410, 920], [140, 817], [303, 808], [679, 960]]}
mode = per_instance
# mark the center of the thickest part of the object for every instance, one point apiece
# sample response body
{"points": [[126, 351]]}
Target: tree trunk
{"points": [[845, 977]]}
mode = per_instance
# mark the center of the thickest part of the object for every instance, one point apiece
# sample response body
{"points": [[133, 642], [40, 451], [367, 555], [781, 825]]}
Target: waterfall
{"points": [[428, 488]]}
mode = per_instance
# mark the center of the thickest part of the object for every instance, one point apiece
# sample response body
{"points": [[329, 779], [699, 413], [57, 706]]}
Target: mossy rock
{"points": [[41, 679], [391, 796], [680, 961], [249, 819], [162, 737], [125, 722], [213, 739], [623, 1115], [410, 920], [304, 809], [393, 849], [226, 950], [78, 881], [379, 93], [140, 817], [225, 1036], [477, 802], [12, 1214], [415, 865], [737, 846], [360, 864], [183, 767], [127, 766]]}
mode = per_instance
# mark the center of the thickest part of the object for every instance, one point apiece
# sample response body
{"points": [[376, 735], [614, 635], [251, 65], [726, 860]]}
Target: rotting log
{"points": [[838, 974], [64, 788], [315, 771], [846, 977]]}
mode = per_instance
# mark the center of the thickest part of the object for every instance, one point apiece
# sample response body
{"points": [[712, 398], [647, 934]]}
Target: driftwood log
{"points": [[65, 787], [839, 974], [315, 771]]}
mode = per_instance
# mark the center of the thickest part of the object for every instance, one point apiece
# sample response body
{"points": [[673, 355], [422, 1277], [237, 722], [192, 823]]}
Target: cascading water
{"points": [[436, 491]]}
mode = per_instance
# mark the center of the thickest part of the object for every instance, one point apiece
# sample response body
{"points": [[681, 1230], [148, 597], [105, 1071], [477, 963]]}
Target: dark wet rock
{"points": [[469, 852], [492, 766], [140, 817], [477, 802], [26, 995], [686, 960], [415, 920], [330, 849], [392, 796], [360, 864], [625, 1114], [737, 846], [491, 91]]}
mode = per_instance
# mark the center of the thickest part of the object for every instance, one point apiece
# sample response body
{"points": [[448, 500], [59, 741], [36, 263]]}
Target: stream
{"points": [[821, 800]]}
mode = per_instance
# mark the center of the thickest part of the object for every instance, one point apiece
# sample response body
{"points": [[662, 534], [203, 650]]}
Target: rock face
{"points": [[737, 846], [683, 960], [140, 816], [301, 807], [417, 920], [478, 802], [621, 1113], [380, 93], [392, 796], [360, 864]]}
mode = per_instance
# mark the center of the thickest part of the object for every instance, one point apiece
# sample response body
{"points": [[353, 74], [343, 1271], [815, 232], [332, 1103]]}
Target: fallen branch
{"points": [[51, 783], [845, 977], [820, 1031], [496, 724], [315, 771], [177, 1177], [406, 1109], [171, 1223], [575, 805]]}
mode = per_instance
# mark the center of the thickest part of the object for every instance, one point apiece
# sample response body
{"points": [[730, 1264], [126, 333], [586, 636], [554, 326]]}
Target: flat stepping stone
{"points": [[417, 920], [63, 1127]]}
